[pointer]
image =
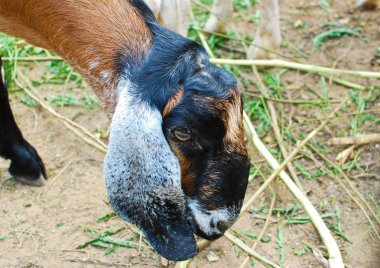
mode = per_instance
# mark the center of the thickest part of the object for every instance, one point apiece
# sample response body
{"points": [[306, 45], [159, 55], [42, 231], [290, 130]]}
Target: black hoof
{"points": [[27, 166]]}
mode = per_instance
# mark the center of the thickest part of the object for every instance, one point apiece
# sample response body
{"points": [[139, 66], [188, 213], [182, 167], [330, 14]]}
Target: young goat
{"points": [[268, 34], [176, 163]]}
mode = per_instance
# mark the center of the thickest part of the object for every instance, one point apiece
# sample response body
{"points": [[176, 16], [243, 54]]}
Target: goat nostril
{"points": [[222, 226]]}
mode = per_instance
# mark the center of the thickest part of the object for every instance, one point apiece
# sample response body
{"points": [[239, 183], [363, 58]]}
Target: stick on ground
{"points": [[298, 66], [358, 139]]}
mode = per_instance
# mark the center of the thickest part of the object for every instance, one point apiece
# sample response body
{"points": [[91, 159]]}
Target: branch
{"points": [[335, 258], [297, 66], [80, 131], [358, 139], [248, 250]]}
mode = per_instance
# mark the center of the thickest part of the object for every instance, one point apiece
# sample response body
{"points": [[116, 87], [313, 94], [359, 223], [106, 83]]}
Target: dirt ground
{"points": [[42, 227]]}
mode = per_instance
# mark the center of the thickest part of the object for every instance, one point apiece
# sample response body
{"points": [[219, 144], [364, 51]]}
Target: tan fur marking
{"points": [[86, 33], [187, 177], [206, 193], [173, 101], [234, 126], [230, 111]]}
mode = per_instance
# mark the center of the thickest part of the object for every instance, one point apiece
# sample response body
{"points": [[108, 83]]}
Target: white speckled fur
{"points": [[93, 65], [205, 218], [106, 75], [140, 169]]}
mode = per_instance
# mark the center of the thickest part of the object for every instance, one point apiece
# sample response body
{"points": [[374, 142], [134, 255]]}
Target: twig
{"points": [[182, 264], [356, 244], [203, 243], [347, 179], [340, 58], [248, 250], [320, 258], [267, 221], [344, 187], [358, 139], [35, 121], [52, 180], [343, 156], [36, 58], [97, 263], [350, 85], [90, 139], [276, 128], [272, 161], [335, 258], [271, 51], [347, 114], [297, 66], [57, 58], [296, 102], [2, 183], [65, 86]]}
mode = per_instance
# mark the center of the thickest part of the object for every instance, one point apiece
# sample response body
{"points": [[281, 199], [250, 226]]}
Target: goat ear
{"points": [[143, 179]]}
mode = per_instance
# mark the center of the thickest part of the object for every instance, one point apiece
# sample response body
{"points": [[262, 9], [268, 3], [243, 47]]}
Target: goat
{"points": [[268, 34], [177, 163]]}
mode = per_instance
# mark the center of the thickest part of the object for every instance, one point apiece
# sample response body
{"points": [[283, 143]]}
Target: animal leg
{"points": [[268, 34], [26, 165]]}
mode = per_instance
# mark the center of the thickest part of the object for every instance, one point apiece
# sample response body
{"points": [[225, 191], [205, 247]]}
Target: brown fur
{"points": [[206, 194], [86, 33], [233, 122], [173, 101], [187, 177], [230, 111]]}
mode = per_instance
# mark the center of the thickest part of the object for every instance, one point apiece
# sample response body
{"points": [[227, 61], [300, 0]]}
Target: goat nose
{"points": [[222, 226]]}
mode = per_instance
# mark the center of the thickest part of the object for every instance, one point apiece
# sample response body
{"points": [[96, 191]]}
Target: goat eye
{"points": [[182, 136]]}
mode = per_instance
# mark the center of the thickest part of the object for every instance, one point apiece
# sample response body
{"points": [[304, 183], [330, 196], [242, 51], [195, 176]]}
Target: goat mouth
{"points": [[198, 231]]}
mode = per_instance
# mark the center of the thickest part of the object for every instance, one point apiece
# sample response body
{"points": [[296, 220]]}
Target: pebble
{"points": [[164, 262], [298, 24], [212, 256]]}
